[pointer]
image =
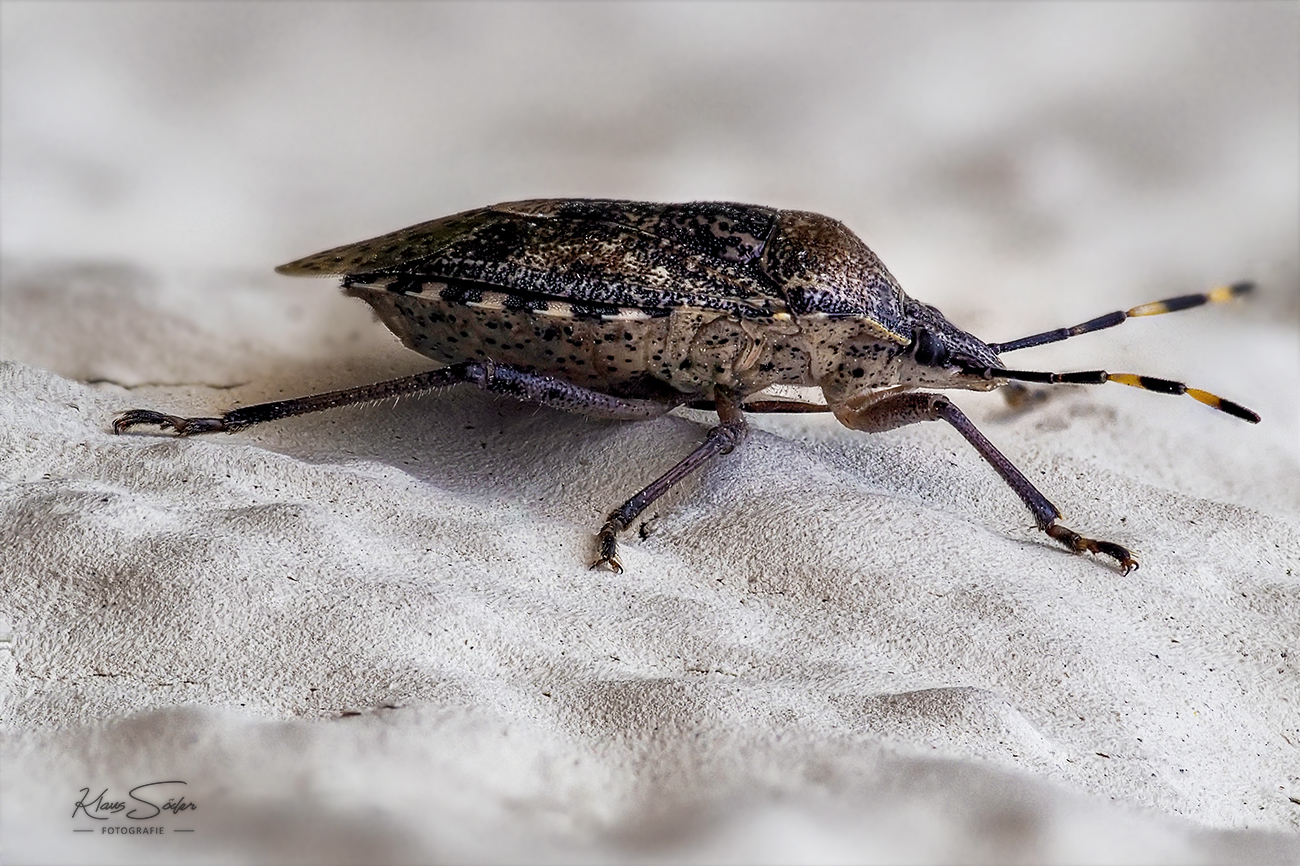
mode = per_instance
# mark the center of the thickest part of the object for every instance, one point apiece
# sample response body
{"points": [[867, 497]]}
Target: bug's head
{"points": [[941, 355]]}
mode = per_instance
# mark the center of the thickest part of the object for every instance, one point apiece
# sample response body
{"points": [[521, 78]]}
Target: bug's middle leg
{"points": [[721, 439], [881, 411]]}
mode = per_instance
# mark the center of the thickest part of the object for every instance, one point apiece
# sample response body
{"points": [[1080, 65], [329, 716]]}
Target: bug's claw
{"points": [[182, 426], [1077, 543], [607, 541], [611, 562]]}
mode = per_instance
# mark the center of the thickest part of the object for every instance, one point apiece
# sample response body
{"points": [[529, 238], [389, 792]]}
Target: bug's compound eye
{"points": [[928, 349]]}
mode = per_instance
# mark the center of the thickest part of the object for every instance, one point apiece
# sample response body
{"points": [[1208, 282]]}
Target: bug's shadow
{"points": [[571, 468], [470, 442]]}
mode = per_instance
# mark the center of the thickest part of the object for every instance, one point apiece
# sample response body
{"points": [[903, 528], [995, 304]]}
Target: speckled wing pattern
{"points": [[626, 254]]}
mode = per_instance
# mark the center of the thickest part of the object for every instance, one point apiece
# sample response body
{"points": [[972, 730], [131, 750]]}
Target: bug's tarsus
{"points": [[182, 426], [1110, 320], [1079, 544], [722, 439]]}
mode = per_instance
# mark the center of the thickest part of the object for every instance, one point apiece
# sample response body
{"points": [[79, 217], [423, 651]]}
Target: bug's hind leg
{"points": [[496, 378], [721, 439], [882, 411]]}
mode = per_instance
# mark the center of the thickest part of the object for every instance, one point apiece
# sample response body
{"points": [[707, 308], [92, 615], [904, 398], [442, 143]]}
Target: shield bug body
{"points": [[626, 310]]}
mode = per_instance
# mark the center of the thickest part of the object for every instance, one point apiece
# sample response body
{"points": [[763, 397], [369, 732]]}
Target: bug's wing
{"points": [[652, 256], [386, 252]]}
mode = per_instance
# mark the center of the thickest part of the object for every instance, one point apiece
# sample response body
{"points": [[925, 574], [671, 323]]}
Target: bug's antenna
{"points": [[1098, 377], [1110, 320]]}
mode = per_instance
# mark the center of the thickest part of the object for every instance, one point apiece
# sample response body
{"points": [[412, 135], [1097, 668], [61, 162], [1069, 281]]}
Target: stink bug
{"points": [[626, 310]]}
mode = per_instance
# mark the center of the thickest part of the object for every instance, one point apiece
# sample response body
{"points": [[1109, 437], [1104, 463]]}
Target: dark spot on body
{"points": [[532, 303], [461, 293]]}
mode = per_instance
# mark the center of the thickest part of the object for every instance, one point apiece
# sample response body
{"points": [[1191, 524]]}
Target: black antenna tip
{"points": [[1237, 410]]}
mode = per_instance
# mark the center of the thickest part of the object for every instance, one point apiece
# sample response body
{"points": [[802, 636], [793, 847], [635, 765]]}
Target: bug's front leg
{"points": [[887, 410], [721, 439]]}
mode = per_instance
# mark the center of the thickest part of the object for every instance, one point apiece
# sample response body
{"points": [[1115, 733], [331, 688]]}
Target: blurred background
{"points": [[1022, 166], [1083, 148]]}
